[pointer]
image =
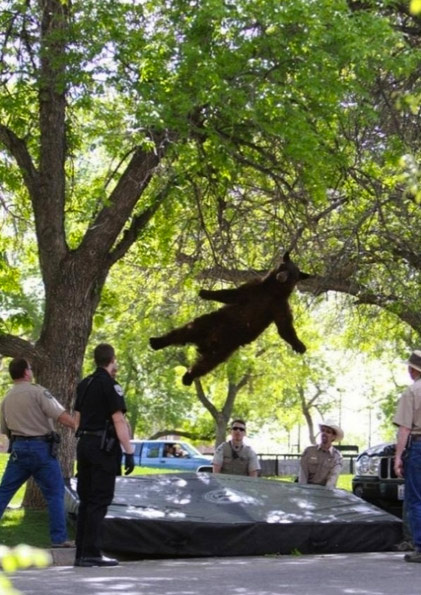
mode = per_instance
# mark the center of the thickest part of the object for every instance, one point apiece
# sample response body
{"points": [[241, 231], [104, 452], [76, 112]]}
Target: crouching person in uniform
{"points": [[234, 456], [322, 464], [101, 429], [28, 414]]}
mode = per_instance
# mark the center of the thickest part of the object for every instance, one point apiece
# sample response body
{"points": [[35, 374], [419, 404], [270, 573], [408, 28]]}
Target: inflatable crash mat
{"points": [[204, 514]]}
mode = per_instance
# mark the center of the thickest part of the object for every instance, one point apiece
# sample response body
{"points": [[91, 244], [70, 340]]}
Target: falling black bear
{"points": [[249, 311]]}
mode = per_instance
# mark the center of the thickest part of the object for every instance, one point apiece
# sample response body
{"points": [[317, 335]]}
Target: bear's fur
{"points": [[249, 310]]}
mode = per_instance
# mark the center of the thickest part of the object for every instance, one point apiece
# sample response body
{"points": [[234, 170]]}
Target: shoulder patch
{"points": [[47, 394], [118, 390]]}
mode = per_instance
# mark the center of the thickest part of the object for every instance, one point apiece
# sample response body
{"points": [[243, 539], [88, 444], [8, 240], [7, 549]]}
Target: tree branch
{"points": [[204, 400], [191, 435], [233, 390], [18, 149], [48, 202], [317, 285], [102, 234], [12, 346], [243, 381], [138, 224]]}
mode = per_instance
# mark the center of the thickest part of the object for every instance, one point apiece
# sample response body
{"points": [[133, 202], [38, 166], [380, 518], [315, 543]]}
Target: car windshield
{"points": [[154, 448], [190, 450]]}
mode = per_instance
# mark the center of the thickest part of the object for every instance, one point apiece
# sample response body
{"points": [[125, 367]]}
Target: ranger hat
{"points": [[339, 433], [415, 360]]}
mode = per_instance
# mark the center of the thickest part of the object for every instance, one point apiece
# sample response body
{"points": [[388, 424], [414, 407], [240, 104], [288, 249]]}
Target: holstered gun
{"points": [[10, 436], [108, 438], [54, 439]]}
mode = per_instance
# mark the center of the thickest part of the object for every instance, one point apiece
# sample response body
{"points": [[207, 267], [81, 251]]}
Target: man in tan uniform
{"points": [[28, 413], [408, 420], [322, 464], [235, 457]]}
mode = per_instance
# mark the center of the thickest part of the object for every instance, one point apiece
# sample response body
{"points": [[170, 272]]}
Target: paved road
{"points": [[333, 574]]}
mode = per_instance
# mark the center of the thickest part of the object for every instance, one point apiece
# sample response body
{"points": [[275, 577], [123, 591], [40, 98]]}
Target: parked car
{"points": [[170, 454], [375, 479]]}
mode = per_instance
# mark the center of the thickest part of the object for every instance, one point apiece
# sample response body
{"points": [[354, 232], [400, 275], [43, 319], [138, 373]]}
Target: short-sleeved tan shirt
{"points": [[321, 467], [29, 410], [408, 412]]}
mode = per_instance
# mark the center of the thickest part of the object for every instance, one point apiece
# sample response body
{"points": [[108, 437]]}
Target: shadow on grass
{"points": [[21, 525]]}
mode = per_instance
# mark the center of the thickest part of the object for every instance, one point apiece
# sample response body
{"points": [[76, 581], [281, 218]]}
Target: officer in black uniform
{"points": [[102, 427]]}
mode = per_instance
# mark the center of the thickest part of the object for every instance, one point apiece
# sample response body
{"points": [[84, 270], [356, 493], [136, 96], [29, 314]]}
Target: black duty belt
{"points": [[91, 432], [416, 437], [41, 438]]}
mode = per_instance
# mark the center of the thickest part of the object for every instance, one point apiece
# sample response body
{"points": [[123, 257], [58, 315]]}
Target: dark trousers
{"points": [[96, 473]]}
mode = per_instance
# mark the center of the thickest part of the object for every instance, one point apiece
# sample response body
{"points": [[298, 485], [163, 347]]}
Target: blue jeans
{"points": [[413, 491], [32, 458]]}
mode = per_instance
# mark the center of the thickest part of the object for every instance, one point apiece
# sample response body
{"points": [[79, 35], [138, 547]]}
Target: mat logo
{"points": [[229, 496]]}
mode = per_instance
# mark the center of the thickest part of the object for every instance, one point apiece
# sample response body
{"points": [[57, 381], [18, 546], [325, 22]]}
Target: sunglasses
{"points": [[238, 429]]}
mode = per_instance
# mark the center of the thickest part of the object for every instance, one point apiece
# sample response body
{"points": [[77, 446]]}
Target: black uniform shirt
{"points": [[98, 400]]}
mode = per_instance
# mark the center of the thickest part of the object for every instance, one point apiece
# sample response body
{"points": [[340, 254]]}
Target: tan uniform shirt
{"points": [[320, 466], [29, 410], [236, 461], [408, 412]]}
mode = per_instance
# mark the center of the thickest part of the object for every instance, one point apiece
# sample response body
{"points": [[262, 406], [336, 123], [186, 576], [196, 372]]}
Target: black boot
{"points": [[88, 562]]}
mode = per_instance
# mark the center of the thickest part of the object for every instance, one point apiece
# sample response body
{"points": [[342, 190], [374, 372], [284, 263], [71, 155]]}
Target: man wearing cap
{"points": [[322, 464], [408, 420], [235, 457]]}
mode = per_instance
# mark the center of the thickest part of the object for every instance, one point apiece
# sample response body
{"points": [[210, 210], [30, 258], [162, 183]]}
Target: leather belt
{"points": [[40, 438], [91, 433], [416, 437]]}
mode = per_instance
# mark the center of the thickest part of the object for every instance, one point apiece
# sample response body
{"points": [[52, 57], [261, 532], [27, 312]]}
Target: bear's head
{"points": [[288, 274]]}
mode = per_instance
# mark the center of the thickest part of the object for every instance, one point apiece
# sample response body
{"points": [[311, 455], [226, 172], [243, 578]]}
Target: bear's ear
{"points": [[304, 276], [285, 257]]}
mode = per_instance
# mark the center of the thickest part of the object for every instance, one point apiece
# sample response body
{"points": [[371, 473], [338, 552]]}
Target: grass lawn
{"points": [[19, 525]]}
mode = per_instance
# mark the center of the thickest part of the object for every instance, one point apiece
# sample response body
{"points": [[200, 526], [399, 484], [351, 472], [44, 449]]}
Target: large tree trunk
{"points": [[73, 279], [61, 348], [221, 423]]}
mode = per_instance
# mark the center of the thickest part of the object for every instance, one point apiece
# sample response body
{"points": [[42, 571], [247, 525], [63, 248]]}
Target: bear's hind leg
{"points": [[206, 362], [158, 342], [178, 336]]}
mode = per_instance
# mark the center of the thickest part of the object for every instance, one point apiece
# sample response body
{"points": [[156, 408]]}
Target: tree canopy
{"points": [[211, 134]]}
